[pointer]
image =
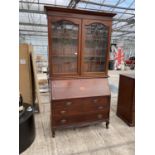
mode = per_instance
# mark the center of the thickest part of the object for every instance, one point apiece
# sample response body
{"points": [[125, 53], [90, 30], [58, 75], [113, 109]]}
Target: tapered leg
{"points": [[53, 133], [107, 124]]}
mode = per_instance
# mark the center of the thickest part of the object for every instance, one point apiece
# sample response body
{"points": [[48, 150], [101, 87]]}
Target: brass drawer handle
{"points": [[100, 107], [99, 116], [63, 112], [95, 100], [63, 121], [68, 103]]}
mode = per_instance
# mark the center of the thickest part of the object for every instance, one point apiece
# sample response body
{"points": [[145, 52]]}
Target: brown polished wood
{"points": [[50, 10], [79, 44], [81, 19], [126, 99], [79, 88], [79, 102], [61, 121]]}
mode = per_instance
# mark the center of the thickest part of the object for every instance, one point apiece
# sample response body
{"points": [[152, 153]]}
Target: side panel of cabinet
{"points": [[95, 47], [64, 46]]}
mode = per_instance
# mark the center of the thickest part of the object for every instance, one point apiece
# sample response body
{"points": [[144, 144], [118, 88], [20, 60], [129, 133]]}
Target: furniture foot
{"points": [[53, 133], [107, 125]]}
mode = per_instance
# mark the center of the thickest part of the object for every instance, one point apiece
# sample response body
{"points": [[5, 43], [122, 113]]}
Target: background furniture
{"points": [[28, 79], [26, 128], [79, 43], [26, 86], [126, 99]]}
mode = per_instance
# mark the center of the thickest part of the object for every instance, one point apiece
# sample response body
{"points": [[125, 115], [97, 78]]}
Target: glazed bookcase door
{"points": [[95, 47], [64, 51]]}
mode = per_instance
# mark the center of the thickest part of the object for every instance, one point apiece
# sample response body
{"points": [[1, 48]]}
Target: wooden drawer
{"points": [[78, 106], [95, 104], [79, 119], [78, 110], [65, 103], [72, 110], [91, 101], [75, 102]]}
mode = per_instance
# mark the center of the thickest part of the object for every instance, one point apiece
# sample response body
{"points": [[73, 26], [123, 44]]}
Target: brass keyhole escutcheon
{"points": [[63, 121], [99, 116], [68, 103]]}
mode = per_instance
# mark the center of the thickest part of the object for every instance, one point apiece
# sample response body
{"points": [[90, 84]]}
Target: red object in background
{"points": [[130, 62], [119, 56]]}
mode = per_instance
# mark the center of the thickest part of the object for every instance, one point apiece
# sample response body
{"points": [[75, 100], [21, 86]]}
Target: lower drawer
{"points": [[79, 110], [77, 119]]}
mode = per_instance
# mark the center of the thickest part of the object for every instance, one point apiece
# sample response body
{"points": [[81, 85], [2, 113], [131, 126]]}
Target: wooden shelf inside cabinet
{"points": [[67, 38]]}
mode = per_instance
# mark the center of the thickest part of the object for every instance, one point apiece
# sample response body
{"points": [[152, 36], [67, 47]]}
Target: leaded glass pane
{"points": [[64, 46], [96, 42]]}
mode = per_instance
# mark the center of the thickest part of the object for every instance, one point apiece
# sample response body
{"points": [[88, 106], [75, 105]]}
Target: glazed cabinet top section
{"points": [[79, 88], [79, 42]]}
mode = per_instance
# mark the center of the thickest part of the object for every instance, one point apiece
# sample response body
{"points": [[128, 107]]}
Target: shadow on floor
{"points": [[113, 89]]}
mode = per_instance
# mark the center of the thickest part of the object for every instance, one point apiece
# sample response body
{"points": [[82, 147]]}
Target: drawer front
{"points": [[64, 103], [96, 104], [74, 102], [77, 106], [66, 111], [77, 119]]}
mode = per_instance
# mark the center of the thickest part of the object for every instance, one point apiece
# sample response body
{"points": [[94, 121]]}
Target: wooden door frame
{"points": [[72, 20], [108, 24]]}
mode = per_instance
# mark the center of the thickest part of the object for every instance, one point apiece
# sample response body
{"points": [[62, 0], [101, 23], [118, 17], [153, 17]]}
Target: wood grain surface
{"points": [[75, 88]]}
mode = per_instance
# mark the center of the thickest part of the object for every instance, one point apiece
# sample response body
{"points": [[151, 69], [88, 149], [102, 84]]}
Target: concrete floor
{"points": [[119, 139]]}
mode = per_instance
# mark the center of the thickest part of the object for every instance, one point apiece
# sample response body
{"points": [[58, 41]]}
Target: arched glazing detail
{"points": [[64, 46], [96, 43]]}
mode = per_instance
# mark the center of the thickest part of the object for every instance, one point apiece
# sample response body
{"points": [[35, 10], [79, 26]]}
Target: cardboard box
{"points": [[25, 73]]}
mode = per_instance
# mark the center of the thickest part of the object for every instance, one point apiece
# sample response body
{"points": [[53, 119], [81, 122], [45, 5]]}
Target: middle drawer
{"points": [[77, 106]]}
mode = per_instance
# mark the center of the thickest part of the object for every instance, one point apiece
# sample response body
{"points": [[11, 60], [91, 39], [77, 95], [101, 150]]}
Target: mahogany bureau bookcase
{"points": [[126, 99], [79, 43]]}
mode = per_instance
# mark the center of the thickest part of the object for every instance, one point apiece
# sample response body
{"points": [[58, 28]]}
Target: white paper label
{"points": [[22, 61]]}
